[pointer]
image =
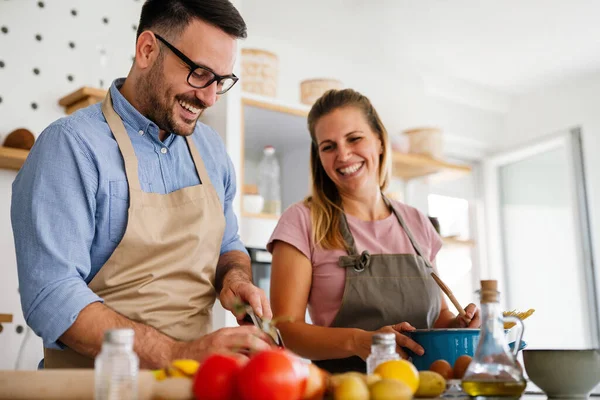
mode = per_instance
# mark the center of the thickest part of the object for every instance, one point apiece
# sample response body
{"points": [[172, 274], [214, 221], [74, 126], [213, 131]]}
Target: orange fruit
{"points": [[401, 370]]}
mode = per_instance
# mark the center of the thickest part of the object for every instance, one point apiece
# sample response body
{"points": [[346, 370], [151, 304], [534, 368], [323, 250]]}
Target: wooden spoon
{"points": [[446, 289]]}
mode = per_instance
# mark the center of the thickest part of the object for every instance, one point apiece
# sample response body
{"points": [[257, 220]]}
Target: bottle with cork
{"points": [[494, 371]]}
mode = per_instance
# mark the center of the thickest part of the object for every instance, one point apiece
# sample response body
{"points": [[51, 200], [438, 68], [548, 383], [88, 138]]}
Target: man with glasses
{"points": [[122, 214]]}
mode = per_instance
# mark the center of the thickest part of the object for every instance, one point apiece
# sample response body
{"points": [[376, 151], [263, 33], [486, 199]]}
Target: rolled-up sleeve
{"points": [[231, 238], [52, 215]]}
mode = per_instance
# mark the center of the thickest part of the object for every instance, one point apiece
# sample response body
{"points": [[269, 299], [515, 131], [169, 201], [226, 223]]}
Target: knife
{"points": [[263, 325]]}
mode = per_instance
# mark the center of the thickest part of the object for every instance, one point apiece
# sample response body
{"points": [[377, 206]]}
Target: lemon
{"points": [[183, 368], [159, 374], [390, 389], [431, 384], [401, 370], [351, 387]]}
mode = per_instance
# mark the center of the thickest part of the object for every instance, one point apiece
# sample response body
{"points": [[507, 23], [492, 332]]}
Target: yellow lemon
{"points": [[159, 374], [390, 389], [183, 368], [401, 370]]}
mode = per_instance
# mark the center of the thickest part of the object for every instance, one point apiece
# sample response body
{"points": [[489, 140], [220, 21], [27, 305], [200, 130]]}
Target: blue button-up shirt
{"points": [[70, 201]]}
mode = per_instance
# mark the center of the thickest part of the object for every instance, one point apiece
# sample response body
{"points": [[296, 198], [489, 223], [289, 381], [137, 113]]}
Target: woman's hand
{"points": [[363, 344], [471, 318]]}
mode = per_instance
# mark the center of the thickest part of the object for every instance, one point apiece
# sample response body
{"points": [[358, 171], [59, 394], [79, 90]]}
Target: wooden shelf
{"points": [[12, 158], [273, 104], [6, 318], [82, 97], [452, 241], [260, 215], [410, 166]]}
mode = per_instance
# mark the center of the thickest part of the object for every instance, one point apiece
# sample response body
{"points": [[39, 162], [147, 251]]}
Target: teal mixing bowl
{"points": [[445, 344]]}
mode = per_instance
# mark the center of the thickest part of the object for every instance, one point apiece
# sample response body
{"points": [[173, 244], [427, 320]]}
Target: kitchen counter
{"points": [[78, 384]]}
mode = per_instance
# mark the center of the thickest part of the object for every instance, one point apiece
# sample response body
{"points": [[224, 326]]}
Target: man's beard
{"points": [[154, 100]]}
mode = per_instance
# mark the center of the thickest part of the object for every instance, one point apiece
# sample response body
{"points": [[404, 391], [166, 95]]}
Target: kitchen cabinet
{"points": [[283, 126]]}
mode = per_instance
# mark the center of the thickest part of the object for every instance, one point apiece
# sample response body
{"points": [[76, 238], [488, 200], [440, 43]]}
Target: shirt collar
{"points": [[128, 113]]}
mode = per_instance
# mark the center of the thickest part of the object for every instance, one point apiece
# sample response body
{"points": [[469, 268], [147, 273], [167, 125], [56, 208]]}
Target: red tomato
{"points": [[272, 375], [215, 379]]}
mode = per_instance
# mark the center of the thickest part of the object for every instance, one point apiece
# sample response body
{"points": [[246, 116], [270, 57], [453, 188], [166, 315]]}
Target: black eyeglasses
{"points": [[201, 77]]}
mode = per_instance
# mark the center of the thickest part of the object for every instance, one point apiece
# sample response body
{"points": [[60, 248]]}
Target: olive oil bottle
{"points": [[493, 389], [494, 370]]}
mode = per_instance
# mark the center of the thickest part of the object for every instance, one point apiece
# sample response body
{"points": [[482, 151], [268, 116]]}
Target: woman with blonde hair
{"points": [[360, 262]]}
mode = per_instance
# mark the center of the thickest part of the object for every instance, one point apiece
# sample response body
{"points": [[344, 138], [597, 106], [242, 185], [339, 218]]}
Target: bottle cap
{"points": [[384, 338], [269, 149], [489, 291], [119, 336]]}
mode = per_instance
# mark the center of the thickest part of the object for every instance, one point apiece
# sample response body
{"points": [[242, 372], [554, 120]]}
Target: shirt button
{"points": [[141, 132], [163, 150]]}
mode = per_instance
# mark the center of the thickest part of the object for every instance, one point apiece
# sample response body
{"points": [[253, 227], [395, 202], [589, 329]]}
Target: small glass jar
{"points": [[383, 348], [116, 367]]}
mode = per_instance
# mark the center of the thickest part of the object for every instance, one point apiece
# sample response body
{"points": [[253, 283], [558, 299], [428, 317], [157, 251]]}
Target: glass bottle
{"points": [[116, 367], [383, 348], [268, 182], [494, 371]]}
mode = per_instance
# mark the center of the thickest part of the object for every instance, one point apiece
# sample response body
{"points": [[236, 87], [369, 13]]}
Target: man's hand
{"points": [[234, 284], [240, 341], [236, 290]]}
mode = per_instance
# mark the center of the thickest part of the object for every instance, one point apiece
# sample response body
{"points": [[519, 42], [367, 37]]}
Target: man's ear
{"points": [[147, 50]]}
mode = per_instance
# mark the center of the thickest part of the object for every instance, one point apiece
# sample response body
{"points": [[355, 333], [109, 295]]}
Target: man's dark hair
{"points": [[171, 17]]}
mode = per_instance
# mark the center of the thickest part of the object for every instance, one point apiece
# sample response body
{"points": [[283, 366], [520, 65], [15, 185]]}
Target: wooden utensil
{"points": [[78, 384], [449, 293]]}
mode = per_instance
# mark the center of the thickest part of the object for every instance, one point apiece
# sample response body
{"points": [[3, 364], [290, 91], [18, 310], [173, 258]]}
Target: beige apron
{"points": [[162, 272], [381, 290]]}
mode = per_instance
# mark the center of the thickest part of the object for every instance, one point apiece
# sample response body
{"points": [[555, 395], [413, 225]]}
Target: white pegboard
{"points": [[59, 38]]}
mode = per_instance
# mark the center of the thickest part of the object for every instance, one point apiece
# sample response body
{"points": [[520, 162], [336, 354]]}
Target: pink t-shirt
{"points": [[385, 236]]}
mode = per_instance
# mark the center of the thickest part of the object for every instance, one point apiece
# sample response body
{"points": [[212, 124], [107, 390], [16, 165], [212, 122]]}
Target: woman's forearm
{"points": [[323, 343]]}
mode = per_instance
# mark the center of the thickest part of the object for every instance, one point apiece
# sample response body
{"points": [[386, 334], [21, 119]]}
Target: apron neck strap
{"points": [[131, 162], [200, 168], [120, 133], [347, 235], [351, 245], [408, 232]]}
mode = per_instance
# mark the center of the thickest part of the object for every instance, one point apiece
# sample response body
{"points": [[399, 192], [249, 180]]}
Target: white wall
{"points": [[550, 109], [19, 87]]}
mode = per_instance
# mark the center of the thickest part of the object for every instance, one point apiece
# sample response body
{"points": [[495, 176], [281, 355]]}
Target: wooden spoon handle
{"points": [[449, 293]]}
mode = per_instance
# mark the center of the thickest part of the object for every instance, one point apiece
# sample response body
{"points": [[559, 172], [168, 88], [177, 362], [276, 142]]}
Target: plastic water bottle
{"points": [[383, 348], [268, 182], [116, 367]]}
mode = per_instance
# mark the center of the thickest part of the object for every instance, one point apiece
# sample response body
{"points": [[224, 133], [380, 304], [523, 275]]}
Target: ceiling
{"points": [[507, 46]]}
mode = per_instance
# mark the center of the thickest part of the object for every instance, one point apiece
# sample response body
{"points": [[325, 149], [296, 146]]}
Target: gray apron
{"points": [[381, 290]]}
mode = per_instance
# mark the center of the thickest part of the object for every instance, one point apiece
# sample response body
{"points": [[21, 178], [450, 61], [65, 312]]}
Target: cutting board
{"points": [[78, 384]]}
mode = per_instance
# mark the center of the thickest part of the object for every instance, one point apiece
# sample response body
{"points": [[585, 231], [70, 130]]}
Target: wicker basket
{"points": [[312, 89], [259, 72], [426, 141]]}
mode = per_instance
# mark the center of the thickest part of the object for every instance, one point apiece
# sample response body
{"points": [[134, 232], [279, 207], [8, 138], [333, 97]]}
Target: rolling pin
{"points": [[78, 384]]}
